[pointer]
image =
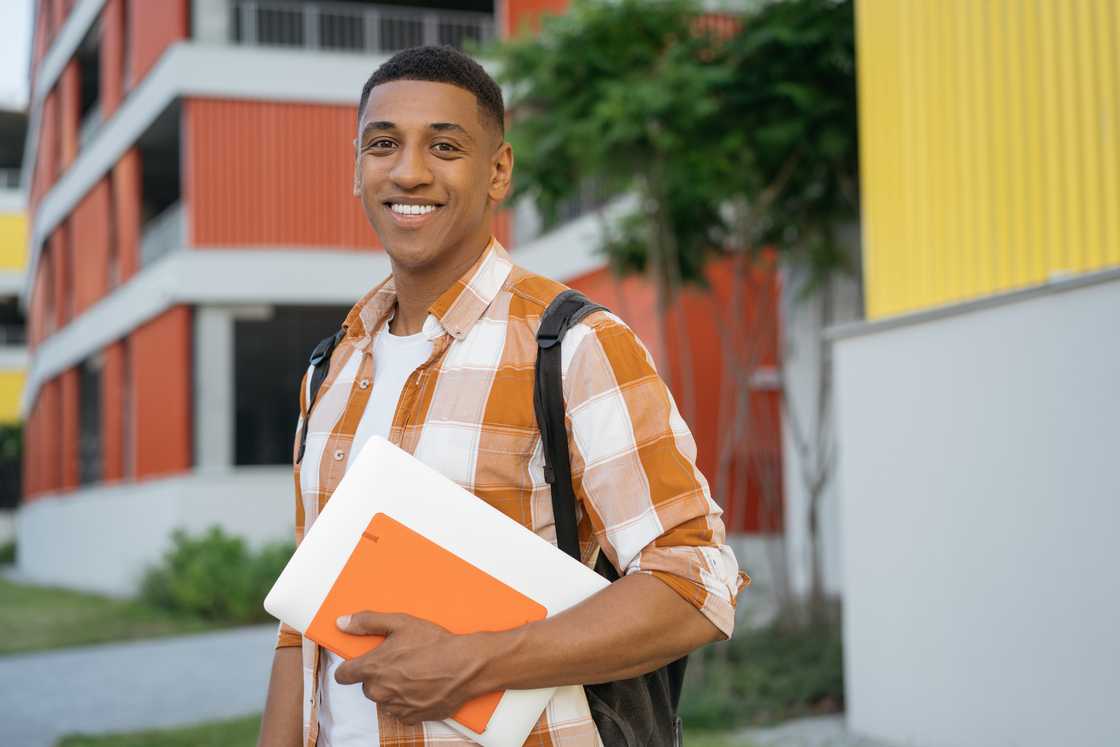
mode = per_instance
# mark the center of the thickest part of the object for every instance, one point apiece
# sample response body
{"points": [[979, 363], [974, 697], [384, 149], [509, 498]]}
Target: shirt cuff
{"points": [[288, 636], [719, 611]]}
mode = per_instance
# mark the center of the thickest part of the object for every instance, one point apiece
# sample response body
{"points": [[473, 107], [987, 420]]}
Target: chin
{"points": [[410, 252]]}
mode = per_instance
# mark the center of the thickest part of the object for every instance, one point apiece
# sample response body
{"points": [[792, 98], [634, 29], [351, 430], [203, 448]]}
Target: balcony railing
{"points": [[371, 29], [9, 178], [163, 234]]}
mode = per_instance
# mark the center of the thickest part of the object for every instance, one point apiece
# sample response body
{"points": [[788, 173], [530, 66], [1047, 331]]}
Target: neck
{"points": [[419, 287]]}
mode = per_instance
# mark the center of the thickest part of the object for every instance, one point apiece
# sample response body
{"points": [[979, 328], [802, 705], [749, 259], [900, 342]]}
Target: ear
{"points": [[357, 170], [501, 172]]}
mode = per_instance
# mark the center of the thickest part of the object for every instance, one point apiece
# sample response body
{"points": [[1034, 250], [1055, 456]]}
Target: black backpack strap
{"points": [[568, 308], [320, 362]]}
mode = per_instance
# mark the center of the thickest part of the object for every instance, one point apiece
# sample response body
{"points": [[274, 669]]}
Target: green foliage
{"points": [[794, 100], [7, 553], [215, 577], [620, 94], [764, 676], [238, 732], [635, 96], [35, 618]]}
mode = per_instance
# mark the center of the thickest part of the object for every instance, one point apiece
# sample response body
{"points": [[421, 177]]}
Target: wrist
{"points": [[497, 654]]}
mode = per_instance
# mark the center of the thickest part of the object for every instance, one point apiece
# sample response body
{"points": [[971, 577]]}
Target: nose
{"points": [[410, 170]]}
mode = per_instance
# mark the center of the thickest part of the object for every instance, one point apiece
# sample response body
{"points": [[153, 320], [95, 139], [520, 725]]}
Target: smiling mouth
{"points": [[401, 208]]}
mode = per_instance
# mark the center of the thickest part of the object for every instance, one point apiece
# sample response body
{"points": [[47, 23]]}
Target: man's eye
{"points": [[445, 147], [380, 143]]}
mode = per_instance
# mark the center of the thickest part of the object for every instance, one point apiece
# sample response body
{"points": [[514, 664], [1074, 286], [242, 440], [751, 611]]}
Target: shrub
{"points": [[8, 553], [765, 676], [215, 576]]}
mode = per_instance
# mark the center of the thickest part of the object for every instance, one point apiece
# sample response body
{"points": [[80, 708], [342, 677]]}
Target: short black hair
{"points": [[443, 64]]}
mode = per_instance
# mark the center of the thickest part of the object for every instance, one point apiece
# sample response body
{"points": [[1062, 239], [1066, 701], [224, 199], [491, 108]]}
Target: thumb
{"points": [[368, 623]]}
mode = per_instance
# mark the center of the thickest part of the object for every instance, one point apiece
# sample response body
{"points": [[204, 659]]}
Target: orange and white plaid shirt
{"points": [[468, 413]]}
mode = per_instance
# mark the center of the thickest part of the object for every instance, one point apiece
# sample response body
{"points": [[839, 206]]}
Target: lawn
{"points": [[238, 732], [34, 618], [242, 732]]}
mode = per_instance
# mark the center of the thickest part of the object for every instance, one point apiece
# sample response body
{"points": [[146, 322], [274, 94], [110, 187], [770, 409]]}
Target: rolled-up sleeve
{"points": [[634, 471], [288, 636]]}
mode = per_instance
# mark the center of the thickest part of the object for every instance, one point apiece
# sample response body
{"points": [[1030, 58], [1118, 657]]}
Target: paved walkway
{"points": [[139, 685], [818, 731]]}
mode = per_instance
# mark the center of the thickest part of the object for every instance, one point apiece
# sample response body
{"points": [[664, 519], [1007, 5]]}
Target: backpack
{"points": [[637, 712]]}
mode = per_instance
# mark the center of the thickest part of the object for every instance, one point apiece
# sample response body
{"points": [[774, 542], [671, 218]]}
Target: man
{"points": [[439, 359]]}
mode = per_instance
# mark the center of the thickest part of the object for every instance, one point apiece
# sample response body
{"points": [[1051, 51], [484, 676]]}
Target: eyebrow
{"points": [[382, 125]]}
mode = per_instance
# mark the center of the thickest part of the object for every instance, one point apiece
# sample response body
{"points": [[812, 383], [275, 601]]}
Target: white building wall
{"points": [[105, 537], [981, 520]]}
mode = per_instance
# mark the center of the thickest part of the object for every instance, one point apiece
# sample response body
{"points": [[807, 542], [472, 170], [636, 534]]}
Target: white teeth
{"points": [[402, 209]]}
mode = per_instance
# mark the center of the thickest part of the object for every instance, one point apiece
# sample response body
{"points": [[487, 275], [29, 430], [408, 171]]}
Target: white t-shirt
{"points": [[346, 717]]}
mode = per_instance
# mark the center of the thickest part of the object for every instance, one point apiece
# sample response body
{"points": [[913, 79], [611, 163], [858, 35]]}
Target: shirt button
{"points": [[363, 384], [339, 455]]}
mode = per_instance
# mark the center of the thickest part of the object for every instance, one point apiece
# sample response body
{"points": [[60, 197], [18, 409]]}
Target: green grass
{"points": [[242, 732], [238, 732], [34, 618], [696, 738]]}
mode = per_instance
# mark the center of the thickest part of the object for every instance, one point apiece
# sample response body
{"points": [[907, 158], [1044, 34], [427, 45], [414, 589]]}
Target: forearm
{"points": [[282, 722], [634, 626]]}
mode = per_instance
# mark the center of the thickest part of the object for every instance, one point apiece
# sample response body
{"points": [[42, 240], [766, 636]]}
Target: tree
{"points": [[620, 95], [740, 144], [794, 96]]}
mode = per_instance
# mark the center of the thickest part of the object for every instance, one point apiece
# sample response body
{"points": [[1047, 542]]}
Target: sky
{"points": [[15, 42]]}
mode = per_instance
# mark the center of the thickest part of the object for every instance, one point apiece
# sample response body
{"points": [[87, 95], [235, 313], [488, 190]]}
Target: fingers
{"points": [[370, 623]]}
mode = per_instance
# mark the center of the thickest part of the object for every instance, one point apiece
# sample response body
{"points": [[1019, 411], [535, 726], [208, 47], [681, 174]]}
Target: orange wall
{"points": [[69, 88], [43, 446], [112, 57], [126, 203], [91, 238], [634, 300], [160, 359], [152, 28], [272, 174], [525, 15]]}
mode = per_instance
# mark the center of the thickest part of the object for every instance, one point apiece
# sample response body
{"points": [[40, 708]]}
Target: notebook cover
{"points": [[395, 569]]}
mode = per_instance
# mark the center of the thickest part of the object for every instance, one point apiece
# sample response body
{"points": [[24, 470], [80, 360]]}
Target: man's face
{"points": [[429, 171]]}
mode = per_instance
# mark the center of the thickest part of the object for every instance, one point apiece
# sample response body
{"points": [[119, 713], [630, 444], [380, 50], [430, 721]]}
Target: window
{"points": [[89, 421], [270, 357]]}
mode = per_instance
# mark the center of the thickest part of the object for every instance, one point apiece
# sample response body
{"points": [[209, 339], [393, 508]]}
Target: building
{"points": [[978, 413], [189, 171], [13, 351]]}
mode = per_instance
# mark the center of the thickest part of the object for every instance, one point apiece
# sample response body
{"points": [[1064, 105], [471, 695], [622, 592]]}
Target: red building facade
{"points": [[189, 188]]}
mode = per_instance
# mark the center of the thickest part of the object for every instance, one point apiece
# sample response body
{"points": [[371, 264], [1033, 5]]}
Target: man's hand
{"points": [[420, 673]]}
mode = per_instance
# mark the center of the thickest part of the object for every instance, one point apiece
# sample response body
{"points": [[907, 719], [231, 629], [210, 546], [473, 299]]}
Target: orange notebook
{"points": [[394, 569]]}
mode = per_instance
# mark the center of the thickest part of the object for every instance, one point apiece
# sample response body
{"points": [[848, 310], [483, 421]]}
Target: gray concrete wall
{"points": [[980, 521], [103, 538]]}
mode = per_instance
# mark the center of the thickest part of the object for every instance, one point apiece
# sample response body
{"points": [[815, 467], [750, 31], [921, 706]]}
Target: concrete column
{"points": [[213, 388], [210, 21]]}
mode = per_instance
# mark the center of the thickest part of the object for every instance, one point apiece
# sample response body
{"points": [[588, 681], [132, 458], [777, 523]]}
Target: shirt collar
{"points": [[454, 312]]}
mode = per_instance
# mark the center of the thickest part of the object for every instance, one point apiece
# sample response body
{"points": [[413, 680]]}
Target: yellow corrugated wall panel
{"points": [[11, 389], [13, 241], [990, 145]]}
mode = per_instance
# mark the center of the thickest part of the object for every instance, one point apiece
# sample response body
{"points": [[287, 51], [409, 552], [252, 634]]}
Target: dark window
{"points": [[89, 422], [13, 325], [89, 76], [269, 361]]}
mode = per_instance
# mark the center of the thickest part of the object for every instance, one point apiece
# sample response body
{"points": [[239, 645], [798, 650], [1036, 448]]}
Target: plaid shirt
{"points": [[468, 412]]}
